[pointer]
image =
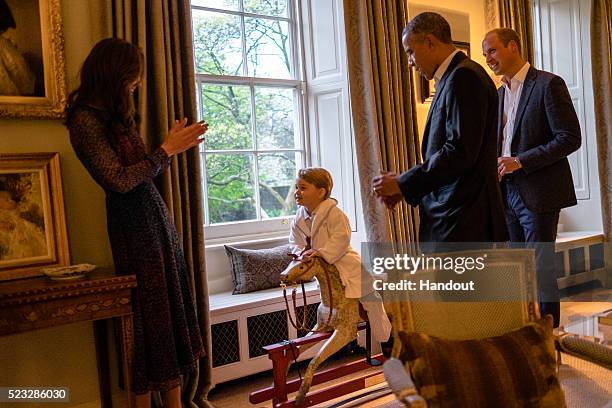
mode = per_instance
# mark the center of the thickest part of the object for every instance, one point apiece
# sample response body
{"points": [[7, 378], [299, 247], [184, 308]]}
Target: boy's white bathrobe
{"points": [[329, 231]]}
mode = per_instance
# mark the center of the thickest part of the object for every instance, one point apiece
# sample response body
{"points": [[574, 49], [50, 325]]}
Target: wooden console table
{"points": [[37, 303]]}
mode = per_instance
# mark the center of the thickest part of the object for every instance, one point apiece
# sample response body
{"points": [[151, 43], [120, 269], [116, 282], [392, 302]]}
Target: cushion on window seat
{"points": [[257, 269]]}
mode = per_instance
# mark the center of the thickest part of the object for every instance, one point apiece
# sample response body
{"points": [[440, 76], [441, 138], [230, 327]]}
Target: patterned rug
{"points": [[585, 385]]}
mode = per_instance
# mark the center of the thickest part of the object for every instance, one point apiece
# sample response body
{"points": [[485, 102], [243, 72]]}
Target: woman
{"points": [[103, 132]]}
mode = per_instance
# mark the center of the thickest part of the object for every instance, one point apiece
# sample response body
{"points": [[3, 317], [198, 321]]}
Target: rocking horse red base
{"points": [[338, 320], [282, 354]]}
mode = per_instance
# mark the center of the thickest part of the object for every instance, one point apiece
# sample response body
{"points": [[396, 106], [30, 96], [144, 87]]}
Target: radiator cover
{"points": [[225, 343]]}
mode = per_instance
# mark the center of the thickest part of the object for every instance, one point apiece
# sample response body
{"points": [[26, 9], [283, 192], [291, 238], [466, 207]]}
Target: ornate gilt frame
{"points": [[46, 167], [52, 105]]}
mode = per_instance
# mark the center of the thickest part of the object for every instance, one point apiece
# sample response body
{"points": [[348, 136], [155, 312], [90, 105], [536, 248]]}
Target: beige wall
{"points": [[63, 356], [467, 21]]}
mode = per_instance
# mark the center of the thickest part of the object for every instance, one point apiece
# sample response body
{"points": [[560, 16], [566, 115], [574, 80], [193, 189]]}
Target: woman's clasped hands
{"points": [[182, 137]]}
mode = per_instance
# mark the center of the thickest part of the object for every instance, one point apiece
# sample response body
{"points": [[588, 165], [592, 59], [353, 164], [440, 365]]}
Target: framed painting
{"points": [[32, 76], [32, 222], [427, 86]]}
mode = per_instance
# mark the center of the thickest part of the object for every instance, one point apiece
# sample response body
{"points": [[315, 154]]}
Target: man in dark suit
{"points": [[456, 185], [538, 128]]}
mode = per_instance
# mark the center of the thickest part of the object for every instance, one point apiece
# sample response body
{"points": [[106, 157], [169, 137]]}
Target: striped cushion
{"points": [[513, 370]]}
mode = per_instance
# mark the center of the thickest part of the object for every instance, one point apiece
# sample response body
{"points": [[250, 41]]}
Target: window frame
{"points": [[278, 226]]}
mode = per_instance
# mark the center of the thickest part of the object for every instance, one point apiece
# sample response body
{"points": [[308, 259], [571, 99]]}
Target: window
{"points": [[249, 89]]}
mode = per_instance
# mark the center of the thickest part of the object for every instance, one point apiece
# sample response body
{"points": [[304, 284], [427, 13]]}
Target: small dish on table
{"points": [[68, 273]]}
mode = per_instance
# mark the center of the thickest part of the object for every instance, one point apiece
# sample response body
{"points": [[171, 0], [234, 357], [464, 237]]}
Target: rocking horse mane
{"points": [[331, 269], [330, 284]]}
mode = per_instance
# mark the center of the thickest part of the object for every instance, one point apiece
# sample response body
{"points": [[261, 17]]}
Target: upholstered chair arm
{"points": [[584, 349], [401, 384]]}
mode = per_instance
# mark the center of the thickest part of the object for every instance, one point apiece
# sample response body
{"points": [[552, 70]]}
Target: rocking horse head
{"points": [[300, 270]]}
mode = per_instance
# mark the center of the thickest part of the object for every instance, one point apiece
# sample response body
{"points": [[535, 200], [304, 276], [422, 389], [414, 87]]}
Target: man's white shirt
{"points": [[443, 67], [512, 96]]}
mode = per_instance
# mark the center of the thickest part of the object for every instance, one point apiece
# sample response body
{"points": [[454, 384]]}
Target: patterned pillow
{"points": [[513, 370], [257, 269]]}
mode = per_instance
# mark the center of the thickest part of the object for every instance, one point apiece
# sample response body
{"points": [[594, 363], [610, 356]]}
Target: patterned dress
{"points": [[144, 241]]}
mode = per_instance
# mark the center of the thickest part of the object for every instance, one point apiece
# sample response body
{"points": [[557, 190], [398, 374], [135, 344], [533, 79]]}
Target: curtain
{"points": [[386, 137], [382, 105], [162, 29], [515, 14], [601, 59]]}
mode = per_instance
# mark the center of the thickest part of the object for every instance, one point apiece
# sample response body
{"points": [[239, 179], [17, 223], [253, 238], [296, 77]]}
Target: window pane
{"points": [[267, 7], [231, 193], [218, 4], [276, 181], [275, 116], [268, 48], [227, 109], [217, 45], [198, 89]]}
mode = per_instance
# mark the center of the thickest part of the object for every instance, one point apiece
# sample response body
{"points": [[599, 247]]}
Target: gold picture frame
{"points": [[32, 222], [31, 39], [427, 86]]}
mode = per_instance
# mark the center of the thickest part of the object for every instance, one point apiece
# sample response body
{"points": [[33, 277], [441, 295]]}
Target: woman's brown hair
{"points": [[111, 66], [319, 177]]}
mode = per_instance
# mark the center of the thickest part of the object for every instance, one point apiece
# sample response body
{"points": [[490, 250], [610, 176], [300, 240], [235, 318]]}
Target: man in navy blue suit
{"points": [[456, 185], [537, 130]]}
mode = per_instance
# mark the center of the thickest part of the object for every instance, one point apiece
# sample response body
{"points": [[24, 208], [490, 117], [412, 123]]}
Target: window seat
{"points": [[225, 302], [579, 258], [242, 324]]}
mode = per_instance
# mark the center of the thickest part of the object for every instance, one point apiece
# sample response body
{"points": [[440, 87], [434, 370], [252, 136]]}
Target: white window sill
{"points": [[246, 240]]}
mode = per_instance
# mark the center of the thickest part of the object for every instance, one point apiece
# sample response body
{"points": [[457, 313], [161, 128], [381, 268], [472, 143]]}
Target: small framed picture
{"points": [[32, 222]]}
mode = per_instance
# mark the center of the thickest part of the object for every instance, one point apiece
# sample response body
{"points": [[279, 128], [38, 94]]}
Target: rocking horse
{"points": [[335, 313], [338, 320]]}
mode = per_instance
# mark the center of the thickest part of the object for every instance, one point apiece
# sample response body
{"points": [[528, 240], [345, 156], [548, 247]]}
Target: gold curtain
{"points": [[382, 106], [601, 59], [162, 29], [516, 14]]}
